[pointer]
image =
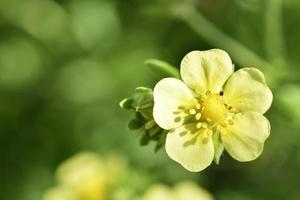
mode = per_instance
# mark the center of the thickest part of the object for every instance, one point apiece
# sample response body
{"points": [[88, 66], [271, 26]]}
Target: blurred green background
{"points": [[66, 64]]}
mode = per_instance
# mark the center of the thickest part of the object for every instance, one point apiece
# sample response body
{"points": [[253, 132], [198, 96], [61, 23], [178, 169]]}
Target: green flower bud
{"points": [[141, 104]]}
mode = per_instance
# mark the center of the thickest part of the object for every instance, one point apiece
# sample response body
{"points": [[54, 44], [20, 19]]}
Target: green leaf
{"points": [[135, 124], [126, 103], [143, 98], [162, 68], [143, 90], [154, 131], [146, 113], [162, 140], [218, 146], [150, 124], [144, 139]]}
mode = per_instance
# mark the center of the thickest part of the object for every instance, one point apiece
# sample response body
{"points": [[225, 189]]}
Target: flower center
{"points": [[210, 111], [214, 108]]}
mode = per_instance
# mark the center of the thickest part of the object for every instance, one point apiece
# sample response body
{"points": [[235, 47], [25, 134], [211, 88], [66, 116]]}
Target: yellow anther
{"points": [[204, 125], [230, 122], [209, 133], [195, 101], [198, 106], [223, 124], [199, 125], [198, 116], [192, 111]]}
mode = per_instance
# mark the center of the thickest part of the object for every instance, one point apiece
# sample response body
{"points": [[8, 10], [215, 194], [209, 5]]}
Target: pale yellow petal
{"points": [[80, 167], [193, 149], [60, 193], [246, 90], [170, 95], [206, 70], [244, 140], [158, 192], [191, 191], [83, 173]]}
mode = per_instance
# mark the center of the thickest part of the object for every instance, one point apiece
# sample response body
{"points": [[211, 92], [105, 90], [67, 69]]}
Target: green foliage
{"points": [[65, 64], [163, 68], [141, 104], [219, 148]]}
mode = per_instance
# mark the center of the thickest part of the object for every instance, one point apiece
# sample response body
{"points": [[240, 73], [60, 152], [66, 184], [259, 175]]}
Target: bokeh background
{"points": [[66, 64]]}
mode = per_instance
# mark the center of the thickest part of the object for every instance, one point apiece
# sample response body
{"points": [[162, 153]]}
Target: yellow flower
{"points": [[212, 99], [60, 193], [86, 176], [182, 191]]}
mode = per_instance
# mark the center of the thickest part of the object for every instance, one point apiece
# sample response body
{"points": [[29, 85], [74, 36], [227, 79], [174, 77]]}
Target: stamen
{"points": [[206, 135], [204, 125], [223, 124], [199, 125], [198, 106], [192, 111], [221, 93], [230, 122], [207, 93], [198, 116], [194, 101], [209, 133]]}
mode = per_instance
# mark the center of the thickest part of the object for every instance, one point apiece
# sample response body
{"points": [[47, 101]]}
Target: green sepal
{"points": [[149, 125], [143, 98], [218, 147], [162, 68], [143, 90], [144, 139], [141, 103], [135, 124], [126, 103], [154, 131], [161, 141]]}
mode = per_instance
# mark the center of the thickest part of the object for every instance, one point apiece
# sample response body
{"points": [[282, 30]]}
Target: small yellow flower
{"points": [[86, 176], [182, 191], [60, 193], [212, 99]]}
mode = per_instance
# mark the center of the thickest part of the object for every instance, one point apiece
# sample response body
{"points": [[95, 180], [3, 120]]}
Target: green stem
{"points": [[208, 31], [240, 53], [162, 68], [274, 40]]}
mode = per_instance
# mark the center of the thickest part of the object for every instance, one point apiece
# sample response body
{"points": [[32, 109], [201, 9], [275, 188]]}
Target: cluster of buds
{"points": [[141, 104]]}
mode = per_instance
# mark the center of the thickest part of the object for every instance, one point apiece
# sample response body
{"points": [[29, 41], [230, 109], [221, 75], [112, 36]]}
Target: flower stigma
{"points": [[214, 108]]}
